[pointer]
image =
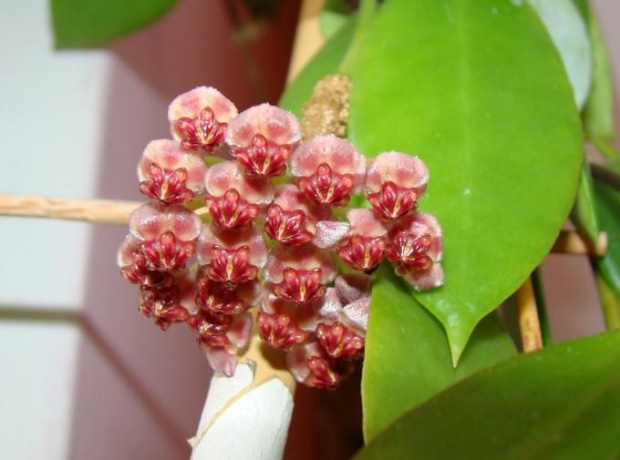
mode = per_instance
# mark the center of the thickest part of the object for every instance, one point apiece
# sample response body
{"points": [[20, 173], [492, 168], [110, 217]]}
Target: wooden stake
{"points": [[529, 324], [95, 211]]}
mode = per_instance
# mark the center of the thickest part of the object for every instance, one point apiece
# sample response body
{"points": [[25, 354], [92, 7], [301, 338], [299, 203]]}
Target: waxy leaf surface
{"points": [[478, 91], [87, 23], [407, 357], [598, 114], [560, 403]]}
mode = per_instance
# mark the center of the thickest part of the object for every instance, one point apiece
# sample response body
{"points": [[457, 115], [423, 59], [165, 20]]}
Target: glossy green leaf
{"points": [[407, 356], [569, 33], [334, 17], [598, 113], [477, 90], [583, 214], [324, 63], [561, 403], [88, 23]]}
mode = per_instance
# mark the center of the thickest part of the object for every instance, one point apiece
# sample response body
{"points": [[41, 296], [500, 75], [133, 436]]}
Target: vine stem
{"points": [[605, 175], [609, 302]]}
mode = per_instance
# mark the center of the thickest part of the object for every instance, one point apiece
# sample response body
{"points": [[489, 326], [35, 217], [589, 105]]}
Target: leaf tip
{"points": [[458, 336]]}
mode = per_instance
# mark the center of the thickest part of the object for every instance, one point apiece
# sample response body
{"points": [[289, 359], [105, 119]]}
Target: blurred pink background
{"points": [[135, 392]]}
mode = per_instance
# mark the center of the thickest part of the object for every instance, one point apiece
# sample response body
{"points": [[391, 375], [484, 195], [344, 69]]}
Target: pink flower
{"points": [[198, 119], [328, 170], [233, 199], [299, 274], [280, 330], [338, 340], [168, 174], [133, 263], [167, 235], [231, 257], [168, 302], [310, 365], [366, 244], [304, 307], [343, 317], [221, 337], [394, 183], [416, 250], [292, 218], [262, 138], [219, 300]]}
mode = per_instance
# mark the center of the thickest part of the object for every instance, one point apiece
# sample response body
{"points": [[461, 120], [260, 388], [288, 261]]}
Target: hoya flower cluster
{"points": [[270, 236]]}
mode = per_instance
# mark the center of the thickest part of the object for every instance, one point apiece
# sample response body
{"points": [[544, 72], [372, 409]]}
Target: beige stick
{"points": [[571, 242], [529, 324], [97, 211]]}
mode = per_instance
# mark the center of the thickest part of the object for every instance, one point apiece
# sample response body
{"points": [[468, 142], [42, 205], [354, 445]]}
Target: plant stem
{"points": [[541, 306], [603, 147], [527, 312], [572, 242], [365, 14], [606, 176], [609, 302]]}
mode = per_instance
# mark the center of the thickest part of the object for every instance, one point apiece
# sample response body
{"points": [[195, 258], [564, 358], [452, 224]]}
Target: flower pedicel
{"points": [[268, 252]]}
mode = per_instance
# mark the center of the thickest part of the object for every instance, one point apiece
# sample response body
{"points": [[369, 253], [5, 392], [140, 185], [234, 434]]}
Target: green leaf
{"points": [[561, 403], [569, 33], [477, 90], [335, 15], [583, 214], [88, 23], [407, 358], [598, 114], [324, 63]]}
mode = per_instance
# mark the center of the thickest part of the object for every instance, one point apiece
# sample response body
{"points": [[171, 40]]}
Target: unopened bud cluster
{"points": [[268, 245]]}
